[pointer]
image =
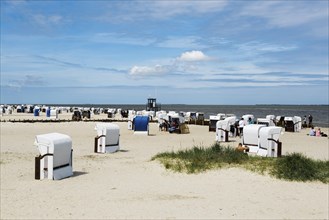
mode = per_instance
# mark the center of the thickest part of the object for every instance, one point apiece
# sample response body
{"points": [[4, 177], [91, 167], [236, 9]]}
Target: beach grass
{"points": [[292, 167], [298, 167]]}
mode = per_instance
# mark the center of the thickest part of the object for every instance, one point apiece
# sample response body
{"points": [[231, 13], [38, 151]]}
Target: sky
{"points": [[181, 52]]}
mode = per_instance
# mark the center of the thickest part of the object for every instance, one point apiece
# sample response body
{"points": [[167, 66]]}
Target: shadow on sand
{"points": [[78, 173]]}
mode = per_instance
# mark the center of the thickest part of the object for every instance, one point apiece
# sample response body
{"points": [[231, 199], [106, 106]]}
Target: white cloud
{"points": [[183, 63], [192, 56], [149, 71]]}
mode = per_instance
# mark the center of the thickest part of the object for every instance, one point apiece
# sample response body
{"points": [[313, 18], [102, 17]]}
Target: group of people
{"points": [[240, 124], [310, 120], [171, 126], [316, 133]]}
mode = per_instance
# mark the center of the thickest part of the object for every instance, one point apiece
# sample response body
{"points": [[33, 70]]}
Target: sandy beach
{"points": [[128, 185]]}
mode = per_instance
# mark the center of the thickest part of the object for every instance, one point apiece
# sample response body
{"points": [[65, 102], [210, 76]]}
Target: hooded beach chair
{"points": [[213, 119], [55, 159], [223, 128], [269, 144], [268, 121], [107, 139], [141, 124], [298, 124], [248, 117], [131, 115], [293, 124], [176, 123], [250, 136], [36, 111], [52, 113]]}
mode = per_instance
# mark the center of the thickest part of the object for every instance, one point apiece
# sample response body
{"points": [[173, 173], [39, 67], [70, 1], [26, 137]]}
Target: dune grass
{"points": [[293, 167]]}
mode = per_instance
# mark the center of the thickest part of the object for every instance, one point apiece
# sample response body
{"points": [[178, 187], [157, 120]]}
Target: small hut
{"points": [[152, 105]]}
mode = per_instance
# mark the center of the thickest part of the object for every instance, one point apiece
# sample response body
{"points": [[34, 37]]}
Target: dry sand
{"points": [[127, 185]]}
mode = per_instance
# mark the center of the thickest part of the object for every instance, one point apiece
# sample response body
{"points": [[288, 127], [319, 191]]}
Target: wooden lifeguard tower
{"points": [[152, 105]]}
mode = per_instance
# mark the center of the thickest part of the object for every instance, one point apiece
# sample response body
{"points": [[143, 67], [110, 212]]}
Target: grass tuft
{"points": [[293, 167], [199, 159], [296, 166]]}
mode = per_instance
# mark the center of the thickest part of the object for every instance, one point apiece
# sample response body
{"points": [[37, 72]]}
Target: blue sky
{"points": [[181, 52]]}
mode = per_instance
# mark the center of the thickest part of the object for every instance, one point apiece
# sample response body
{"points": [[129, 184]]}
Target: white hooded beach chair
{"points": [[272, 118], [130, 123], [293, 124], [131, 116], [108, 136], [250, 136], [264, 121], [213, 119], [54, 113], [298, 123], [269, 145], [247, 117], [268, 121], [223, 128], [55, 159]]}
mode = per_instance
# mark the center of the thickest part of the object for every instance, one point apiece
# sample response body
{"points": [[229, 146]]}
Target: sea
{"points": [[320, 113]]}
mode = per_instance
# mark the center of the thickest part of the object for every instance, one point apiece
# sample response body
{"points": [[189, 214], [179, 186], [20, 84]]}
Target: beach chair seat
{"points": [[55, 159], [107, 139]]}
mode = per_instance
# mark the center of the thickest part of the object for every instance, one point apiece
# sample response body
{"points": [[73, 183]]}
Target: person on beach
{"points": [[318, 133], [305, 122], [241, 125], [312, 131], [310, 120], [236, 126], [164, 125], [242, 148]]}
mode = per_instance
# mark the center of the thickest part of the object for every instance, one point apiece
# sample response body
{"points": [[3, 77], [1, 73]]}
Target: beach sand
{"points": [[128, 185]]}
